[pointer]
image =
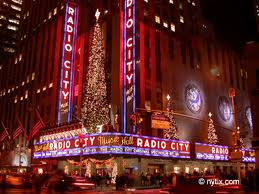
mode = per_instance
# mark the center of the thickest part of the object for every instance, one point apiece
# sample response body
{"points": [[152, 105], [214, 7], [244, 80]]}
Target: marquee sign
{"points": [[218, 152], [160, 121], [129, 63], [67, 63], [211, 152], [248, 155], [112, 143]]}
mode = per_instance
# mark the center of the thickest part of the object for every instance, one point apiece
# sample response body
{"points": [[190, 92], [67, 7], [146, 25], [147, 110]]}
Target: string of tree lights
{"points": [[95, 110]]}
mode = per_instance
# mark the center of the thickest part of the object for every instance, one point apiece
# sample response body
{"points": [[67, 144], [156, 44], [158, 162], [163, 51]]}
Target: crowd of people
{"points": [[58, 181]]}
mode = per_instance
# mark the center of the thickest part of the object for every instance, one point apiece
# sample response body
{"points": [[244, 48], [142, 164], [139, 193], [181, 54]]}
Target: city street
{"points": [[44, 191], [31, 191]]}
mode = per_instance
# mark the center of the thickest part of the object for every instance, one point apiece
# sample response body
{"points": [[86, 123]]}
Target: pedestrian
{"points": [[117, 182]]}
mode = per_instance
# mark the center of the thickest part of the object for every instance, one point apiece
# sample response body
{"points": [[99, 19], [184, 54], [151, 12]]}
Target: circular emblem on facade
{"points": [[224, 108], [249, 117], [193, 98]]}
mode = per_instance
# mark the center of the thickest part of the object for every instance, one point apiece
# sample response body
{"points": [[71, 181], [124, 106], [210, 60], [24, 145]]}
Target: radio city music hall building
{"points": [[152, 49]]}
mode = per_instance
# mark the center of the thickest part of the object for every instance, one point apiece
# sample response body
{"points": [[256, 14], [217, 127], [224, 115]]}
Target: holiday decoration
{"points": [[170, 133], [95, 106], [114, 172], [241, 141], [193, 98], [88, 169], [212, 136], [224, 108]]}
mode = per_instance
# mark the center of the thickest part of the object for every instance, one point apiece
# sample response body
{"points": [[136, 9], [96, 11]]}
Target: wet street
{"points": [[100, 191]]}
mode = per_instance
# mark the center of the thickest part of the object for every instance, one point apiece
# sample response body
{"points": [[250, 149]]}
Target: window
{"points": [[17, 1], [33, 76], [157, 18], [8, 49], [2, 17], [16, 7], [180, 5], [165, 24], [55, 11], [26, 94], [181, 19], [172, 27], [12, 27], [50, 15]]}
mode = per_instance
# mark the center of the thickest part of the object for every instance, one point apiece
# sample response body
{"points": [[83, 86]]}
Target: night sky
{"points": [[234, 20]]}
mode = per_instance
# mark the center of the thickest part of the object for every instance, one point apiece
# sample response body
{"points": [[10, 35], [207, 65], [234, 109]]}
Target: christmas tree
{"points": [[95, 109], [212, 136], [170, 133], [242, 144]]}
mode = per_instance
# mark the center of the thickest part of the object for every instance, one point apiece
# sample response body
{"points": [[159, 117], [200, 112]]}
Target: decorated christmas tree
{"points": [[170, 133], [95, 110], [242, 144], [212, 136]]}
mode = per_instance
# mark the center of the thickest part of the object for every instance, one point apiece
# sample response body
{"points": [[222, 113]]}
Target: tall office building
{"points": [[152, 49], [10, 15]]}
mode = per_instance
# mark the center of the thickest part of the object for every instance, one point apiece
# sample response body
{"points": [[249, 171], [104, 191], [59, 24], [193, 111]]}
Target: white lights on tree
{"points": [[114, 172], [170, 133], [212, 136], [95, 105], [88, 169]]}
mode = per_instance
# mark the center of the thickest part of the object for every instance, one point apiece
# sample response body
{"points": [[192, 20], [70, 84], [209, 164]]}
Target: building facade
{"points": [[152, 49], [10, 16]]}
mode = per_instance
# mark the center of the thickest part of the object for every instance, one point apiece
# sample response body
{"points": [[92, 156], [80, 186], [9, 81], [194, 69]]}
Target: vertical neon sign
{"points": [[129, 63], [67, 64]]}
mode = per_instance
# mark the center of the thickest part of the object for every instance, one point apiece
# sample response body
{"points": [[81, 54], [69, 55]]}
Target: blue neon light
{"points": [[62, 67], [72, 68], [134, 63], [124, 73]]}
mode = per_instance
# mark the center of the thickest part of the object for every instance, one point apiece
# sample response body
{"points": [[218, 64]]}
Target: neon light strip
{"points": [[87, 151], [114, 134], [72, 66], [134, 63], [124, 73], [62, 68]]}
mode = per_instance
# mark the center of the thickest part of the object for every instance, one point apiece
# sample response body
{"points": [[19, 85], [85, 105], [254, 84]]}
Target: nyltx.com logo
{"points": [[215, 181]]}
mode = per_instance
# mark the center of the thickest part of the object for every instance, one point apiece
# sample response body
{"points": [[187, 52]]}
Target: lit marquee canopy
{"points": [[112, 143]]}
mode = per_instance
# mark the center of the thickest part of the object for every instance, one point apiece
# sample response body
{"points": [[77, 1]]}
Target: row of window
{"points": [[26, 93], [7, 91], [13, 6], [180, 4]]}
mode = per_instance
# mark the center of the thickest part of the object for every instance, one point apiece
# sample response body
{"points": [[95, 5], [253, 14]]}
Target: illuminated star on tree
{"points": [[212, 136], [97, 14], [95, 110]]}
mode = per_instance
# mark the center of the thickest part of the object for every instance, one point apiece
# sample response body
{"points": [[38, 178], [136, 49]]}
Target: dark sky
{"points": [[234, 20]]}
